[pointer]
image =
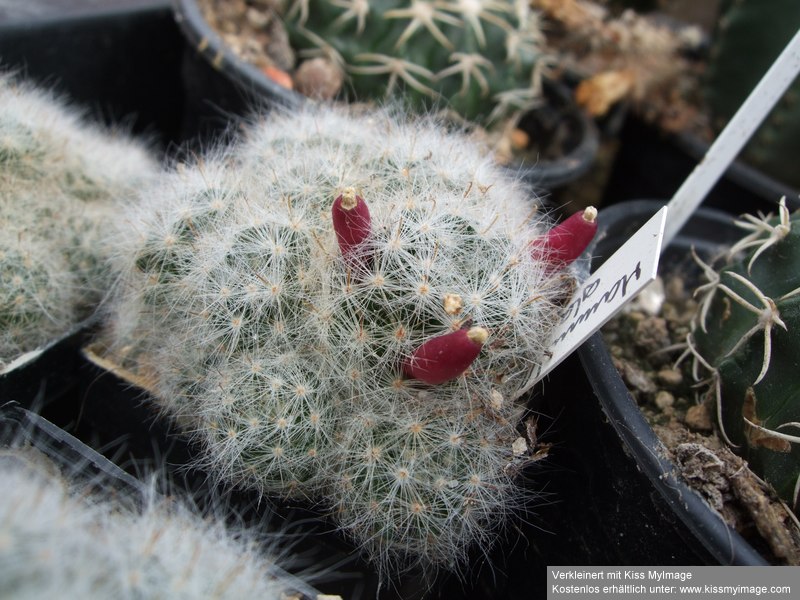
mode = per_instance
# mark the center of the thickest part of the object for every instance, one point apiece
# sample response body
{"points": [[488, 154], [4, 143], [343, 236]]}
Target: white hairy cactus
{"points": [[61, 179], [59, 538], [346, 307], [43, 138]]}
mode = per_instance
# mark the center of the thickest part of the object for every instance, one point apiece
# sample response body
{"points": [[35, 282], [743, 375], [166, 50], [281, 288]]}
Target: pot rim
{"points": [[204, 40], [724, 543], [546, 174]]}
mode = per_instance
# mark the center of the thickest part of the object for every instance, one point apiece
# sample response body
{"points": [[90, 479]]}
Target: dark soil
{"points": [[645, 344]]}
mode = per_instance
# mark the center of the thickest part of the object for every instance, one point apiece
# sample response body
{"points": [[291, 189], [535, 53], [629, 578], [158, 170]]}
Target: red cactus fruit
{"points": [[351, 222], [447, 356], [566, 241]]}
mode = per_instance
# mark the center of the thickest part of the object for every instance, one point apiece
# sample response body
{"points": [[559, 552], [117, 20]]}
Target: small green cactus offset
{"points": [[347, 308], [747, 333], [61, 178], [479, 58]]}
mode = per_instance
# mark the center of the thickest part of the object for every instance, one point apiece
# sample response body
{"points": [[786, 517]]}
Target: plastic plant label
{"points": [[607, 290], [732, 139]]}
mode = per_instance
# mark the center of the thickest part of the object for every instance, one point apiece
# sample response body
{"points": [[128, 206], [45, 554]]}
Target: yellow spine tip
{"points": [[478, 335], [349, 198]]}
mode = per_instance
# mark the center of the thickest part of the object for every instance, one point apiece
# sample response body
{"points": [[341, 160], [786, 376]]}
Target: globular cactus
{"points": [[347, 308], [480, 59], [60, 538], [61, 179], [747, 334], [45, 139]]}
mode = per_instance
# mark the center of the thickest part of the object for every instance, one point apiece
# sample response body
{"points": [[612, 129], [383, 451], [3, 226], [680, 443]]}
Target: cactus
{"points": [[749, 37], [746, 334], [61, 178], [60, 538], [346, 308], [480, 59]]}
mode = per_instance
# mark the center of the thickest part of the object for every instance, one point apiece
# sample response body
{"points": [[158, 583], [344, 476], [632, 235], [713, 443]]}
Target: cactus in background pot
{"points": [[346, 307], [62, 538], [61, 179], [749, 37], [481, 59], [746, 334]]}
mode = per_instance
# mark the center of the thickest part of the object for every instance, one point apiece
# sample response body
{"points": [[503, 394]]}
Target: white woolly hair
{"points": [[62, 179], [285, 361], [44, 136], [62, 538]]}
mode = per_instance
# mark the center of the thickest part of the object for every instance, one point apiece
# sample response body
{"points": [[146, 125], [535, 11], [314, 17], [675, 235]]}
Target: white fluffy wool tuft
{"points": [[62, 179], [60, 538]]}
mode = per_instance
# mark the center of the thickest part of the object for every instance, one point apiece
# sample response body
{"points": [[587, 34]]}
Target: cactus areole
{"points": [[746, 334], [480, 58]]}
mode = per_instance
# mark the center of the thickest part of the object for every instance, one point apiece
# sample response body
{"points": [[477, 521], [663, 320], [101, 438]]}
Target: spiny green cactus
{"points": [[749, 37], [747, 335], [60, 538], [61, 179], [347, 308], [480, 58]]}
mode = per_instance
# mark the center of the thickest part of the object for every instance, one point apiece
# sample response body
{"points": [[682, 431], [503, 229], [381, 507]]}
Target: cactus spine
{"points": [[60, 180], [480, 57], [62, 539], [746, 334], [296, 341]]}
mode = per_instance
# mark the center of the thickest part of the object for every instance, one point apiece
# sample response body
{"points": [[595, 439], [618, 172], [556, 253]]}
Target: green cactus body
{"points": [[61, 180], [25, 295], [475, 57], [749, 37], [759, 398], [287, 361]]}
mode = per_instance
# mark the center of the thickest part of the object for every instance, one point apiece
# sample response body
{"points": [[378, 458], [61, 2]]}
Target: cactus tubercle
{"points": [[565, 242], [447, 356], [352, 224]]}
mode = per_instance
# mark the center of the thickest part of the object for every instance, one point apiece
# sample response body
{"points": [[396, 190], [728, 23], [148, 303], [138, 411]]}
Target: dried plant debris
{"points": [[253, 30], [635, 57], [645, 342]]}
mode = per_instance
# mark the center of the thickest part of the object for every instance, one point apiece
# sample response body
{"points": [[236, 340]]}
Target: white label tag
{"points": [[606, 291]]}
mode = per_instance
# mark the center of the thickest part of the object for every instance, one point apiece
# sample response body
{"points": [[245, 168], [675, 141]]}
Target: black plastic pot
{"points": [[568, 138], [119, 59], [653, 164], [708, 231], [46, 377], [20, 428], [559, 118], [83, 465]]}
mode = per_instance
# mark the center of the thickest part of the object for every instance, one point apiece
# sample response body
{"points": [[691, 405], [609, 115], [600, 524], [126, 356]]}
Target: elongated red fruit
{"points": [[447, 356], [352, 223], [566, 241]]}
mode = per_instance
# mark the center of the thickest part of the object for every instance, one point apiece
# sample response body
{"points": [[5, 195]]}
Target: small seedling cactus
{"points": [[347, 308], [61, 179], [480, 59], [63, 539], [746, 335]]}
